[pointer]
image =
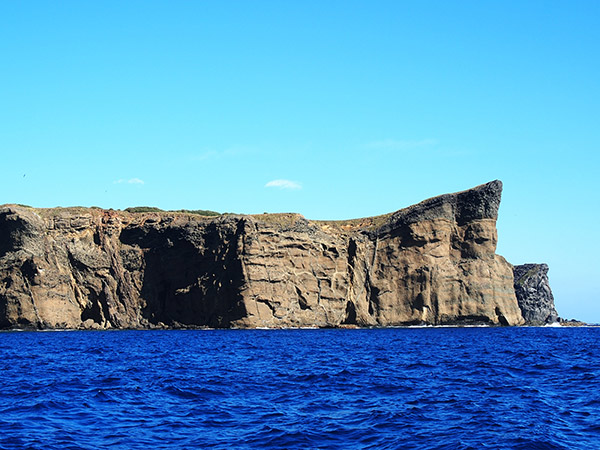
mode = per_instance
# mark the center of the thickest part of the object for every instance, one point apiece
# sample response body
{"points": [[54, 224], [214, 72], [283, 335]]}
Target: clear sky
{"points": [[333, 109]]}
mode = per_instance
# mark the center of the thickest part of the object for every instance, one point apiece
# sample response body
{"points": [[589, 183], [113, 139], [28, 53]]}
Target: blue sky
{"points": [[333, 109]]}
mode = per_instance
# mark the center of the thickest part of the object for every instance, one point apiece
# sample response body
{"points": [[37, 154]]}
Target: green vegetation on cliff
{"points": [[146, 209]]}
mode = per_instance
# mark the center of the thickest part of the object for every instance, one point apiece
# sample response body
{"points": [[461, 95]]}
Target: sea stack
{"points": [[534, 295], [431, 263]]}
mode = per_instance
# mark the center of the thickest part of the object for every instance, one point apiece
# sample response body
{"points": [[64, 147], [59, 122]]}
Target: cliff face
{"points": [[534, 295], [432, 263]]}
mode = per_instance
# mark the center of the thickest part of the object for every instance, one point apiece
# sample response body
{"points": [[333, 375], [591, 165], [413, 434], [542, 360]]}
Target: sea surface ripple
{"points": [[422, 388]]}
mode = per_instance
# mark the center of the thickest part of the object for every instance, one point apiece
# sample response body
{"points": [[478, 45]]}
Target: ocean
{"points": [[403, 388]]}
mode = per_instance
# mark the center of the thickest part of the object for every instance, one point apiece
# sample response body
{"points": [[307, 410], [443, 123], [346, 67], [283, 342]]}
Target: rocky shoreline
{"points": [[433, 263]]}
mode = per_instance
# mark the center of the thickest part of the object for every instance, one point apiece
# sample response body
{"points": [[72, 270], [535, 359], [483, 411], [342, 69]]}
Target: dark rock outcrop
{"points": [[431, 263], [534, 295]]}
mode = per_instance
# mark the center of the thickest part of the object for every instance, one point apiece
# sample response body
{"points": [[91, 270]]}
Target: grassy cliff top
{"points": [[283, 220], [476, 203]]}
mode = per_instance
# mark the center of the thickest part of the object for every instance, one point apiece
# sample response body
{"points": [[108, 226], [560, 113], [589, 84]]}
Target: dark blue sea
{"points": [[418, 388]]}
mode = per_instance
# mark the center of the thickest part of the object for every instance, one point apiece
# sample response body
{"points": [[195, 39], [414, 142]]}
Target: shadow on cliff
{"points": [[191, 275]]}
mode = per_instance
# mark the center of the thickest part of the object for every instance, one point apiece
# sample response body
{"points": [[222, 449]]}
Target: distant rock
{"points": [[534, 295], [574, 323], [432, 263]]}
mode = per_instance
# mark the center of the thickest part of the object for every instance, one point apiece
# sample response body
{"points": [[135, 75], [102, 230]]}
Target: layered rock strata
{"points": [[534, 295], [431, 263]]}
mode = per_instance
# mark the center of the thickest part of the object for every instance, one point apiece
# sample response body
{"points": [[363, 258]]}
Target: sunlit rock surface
{"points": [[432, 263]]}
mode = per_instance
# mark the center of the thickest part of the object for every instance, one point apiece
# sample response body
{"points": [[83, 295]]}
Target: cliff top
{"points": [[479, 202]]}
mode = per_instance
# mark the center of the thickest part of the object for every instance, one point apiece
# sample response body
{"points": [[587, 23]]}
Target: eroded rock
{"points": [[431, 263], [534, 295]]}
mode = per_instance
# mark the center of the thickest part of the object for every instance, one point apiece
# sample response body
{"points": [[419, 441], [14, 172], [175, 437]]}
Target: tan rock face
{"points": [[432, 263]]}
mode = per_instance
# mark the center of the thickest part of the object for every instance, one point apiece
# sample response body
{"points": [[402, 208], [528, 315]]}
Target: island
{"points": [[433, 263]]}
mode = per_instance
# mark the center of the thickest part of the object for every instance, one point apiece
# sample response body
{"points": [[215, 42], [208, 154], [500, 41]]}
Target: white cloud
{"points": [[394, 144], [130, 181], [284, 184]]}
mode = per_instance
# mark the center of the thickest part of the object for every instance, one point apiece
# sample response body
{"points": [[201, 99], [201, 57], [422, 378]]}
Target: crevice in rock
{"points": [[318, 290], [268, 303], [350, 316], [501, 319], [29, 270], [419, 302], [93, 312], [301, 299], [373, 293], [351, 260]]}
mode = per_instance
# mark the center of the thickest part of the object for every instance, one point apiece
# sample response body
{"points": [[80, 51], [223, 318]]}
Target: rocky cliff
{"points": [[431, 263], [534, 295]]}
